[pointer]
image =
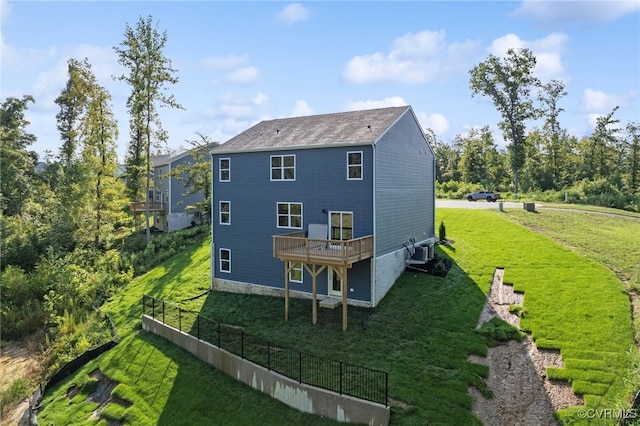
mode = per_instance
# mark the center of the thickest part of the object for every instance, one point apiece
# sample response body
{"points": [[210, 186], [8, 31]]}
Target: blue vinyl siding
{"points": [[405, 188], [321, 183]]}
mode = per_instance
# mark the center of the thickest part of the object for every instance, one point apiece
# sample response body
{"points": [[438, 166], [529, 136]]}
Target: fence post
{"points": [[340, 377], [179, 319], [300, 363], [269, 355], [220, 347], [386, 389], [198, 326], [242, 344], [144, 305], [153, 307], [163, 311]]}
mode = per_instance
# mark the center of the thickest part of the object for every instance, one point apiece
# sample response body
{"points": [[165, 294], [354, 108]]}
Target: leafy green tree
{"points": [[508, 82], [447, 159], [599, 153], [633, 159], [555, 143], [196, 175], [72, 102], [16, 163], [106, 191], [480, 161], [149, 72]]}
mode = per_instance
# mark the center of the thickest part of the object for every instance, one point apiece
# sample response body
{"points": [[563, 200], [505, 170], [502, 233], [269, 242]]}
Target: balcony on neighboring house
{"points": [[154, 207]]}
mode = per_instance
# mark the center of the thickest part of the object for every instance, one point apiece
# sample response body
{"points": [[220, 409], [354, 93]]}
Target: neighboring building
{"points": [[329, 206], [168, 201]]}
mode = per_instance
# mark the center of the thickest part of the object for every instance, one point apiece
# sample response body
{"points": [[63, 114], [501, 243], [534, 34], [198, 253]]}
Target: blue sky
{"points": [[242, 62]]}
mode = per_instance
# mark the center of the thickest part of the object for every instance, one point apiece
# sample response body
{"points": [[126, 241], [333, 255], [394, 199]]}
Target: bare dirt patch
{"points": [[18, 360], [102, 394], [522, 393]]}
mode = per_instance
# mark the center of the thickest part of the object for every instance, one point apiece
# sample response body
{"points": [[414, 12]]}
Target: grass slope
{"points": [[164, 384], [421, 333], [571, 303]]}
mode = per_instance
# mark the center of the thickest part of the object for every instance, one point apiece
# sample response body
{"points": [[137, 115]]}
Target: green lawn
{"points": [[421, 333], [571, 302]]}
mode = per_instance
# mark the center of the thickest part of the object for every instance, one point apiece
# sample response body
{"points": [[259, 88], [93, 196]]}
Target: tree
{"points": [[16, 163], [197, 175], [106, 195], [480, 160], [633, 159], [447, 160], [72, 102], [508, 82], [554, 140], [599, 156], [149, 71]]}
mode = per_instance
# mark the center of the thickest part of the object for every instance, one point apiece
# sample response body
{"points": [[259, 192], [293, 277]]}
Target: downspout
{"points": [[213, 246], [373, 259]]}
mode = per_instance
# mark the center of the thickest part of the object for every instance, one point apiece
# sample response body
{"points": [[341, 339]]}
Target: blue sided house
{"points": [[329, 207]]}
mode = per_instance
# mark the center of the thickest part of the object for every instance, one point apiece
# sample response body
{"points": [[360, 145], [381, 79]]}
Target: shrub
{"points": [[442, 232]]}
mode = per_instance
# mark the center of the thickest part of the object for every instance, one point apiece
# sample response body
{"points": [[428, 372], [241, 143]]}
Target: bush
{"points": [[442, 232]]}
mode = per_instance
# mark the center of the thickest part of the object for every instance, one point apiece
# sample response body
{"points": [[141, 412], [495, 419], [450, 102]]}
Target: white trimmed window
{"points": [[225, 260], [354, 165], [283, 167], [225, 170], [225, 212], [289, 215], [295, 276]]}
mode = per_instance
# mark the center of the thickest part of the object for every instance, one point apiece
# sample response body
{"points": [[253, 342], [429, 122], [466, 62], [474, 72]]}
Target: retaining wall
{"points": [[303, 397]]}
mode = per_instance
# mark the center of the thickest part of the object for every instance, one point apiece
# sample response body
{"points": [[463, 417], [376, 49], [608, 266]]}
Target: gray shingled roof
{"points": [[343, 128]]}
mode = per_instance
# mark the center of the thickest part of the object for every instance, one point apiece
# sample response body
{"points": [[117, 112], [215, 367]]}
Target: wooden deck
{"points": [[317, 255], [297, 248]]}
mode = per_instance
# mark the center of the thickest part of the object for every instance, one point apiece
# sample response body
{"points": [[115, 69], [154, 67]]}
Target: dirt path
{"points": [[16, 362], [522, 394]]}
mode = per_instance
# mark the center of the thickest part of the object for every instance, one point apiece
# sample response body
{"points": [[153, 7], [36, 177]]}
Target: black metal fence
{"points": [[343, 378]]}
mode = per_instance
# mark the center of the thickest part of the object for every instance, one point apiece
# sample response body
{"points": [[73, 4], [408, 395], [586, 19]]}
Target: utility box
{"points": [[530, 207]]}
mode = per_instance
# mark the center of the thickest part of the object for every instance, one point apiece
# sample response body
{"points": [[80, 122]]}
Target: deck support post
{"points": [[343, 271], [286, 291]]}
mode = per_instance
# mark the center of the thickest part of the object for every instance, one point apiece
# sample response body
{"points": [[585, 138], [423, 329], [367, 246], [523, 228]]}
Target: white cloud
{"points": [[548, 52], [238, 69], [384, 103], [436, 122], [414, 58], [243, 76], [549, 13], [301, 109], [600, 102], [293, 13]]}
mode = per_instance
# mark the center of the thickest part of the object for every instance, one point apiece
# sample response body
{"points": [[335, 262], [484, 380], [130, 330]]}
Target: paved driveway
{"points": [[464, 204]]}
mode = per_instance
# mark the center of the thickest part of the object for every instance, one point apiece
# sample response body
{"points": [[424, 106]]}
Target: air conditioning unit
{"points": [[421, 254]]}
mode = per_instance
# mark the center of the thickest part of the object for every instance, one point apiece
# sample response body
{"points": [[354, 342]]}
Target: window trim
{"points": [[282, 168], [361, 165], [227, 169], [220, 212], [221, 260], [289, 203], [301, 269], [342, 228]]}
